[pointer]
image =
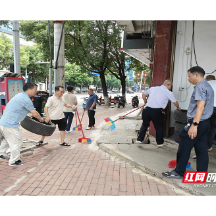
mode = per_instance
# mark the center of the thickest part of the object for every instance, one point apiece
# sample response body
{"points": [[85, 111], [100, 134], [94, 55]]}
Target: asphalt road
{"points": [[80, 97]]}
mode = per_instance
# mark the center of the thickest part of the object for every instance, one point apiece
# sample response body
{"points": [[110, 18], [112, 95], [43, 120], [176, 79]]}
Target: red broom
{"points": [[77, 128], [172, 164], [83, 139], [111, 123]]}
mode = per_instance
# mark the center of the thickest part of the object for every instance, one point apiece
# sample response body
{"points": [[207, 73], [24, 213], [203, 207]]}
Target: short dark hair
{"points": [[210, 77], [29, 85], [198, 70], [57, 88], [70, 88]]}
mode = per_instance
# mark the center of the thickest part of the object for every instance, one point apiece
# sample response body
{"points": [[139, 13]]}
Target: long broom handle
{"points": [[80, 124], [83, 114], [129, 112], [76, 117]]}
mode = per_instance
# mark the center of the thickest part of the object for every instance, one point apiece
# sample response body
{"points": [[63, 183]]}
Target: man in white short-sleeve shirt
{"points": [[54, 113], [158, 98]]}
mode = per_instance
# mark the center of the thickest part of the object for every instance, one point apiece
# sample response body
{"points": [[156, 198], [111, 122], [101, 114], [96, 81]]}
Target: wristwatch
{"points": [[195, 123]]}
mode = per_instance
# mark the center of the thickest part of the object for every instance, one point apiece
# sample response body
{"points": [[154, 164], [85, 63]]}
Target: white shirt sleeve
{"points": [[147, 92], [49, 102], [171, 97]]}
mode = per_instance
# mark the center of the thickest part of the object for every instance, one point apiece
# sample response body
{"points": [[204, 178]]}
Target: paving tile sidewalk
{"points": [[54, 170]]}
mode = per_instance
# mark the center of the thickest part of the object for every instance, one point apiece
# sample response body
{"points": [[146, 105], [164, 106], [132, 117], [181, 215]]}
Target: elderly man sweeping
{"points": [[158, 98]]}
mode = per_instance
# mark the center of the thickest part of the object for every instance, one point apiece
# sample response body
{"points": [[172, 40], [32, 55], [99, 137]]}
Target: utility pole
{"points": [[59, 73], [141, 85], [16, 41]]}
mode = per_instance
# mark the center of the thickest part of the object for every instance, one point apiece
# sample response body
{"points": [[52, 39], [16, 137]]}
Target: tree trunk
{"points": [[123, 86], [104, 87]]}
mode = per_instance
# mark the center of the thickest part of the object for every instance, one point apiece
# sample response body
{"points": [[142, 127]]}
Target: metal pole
{"points": [[50, 69], [50, 81], [16, 42], [59, 53], [26, 75], [141, 85]]}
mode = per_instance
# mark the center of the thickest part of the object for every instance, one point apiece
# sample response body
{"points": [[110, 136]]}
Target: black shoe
{"points": [[17, 163], [2, 157]]}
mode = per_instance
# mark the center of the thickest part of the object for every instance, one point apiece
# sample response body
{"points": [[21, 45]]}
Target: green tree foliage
{"points": [[117, 57], [87, 44], [74, 75], [112, 81], [36, 72], [38, 31], [5, 51], [4, 22]]}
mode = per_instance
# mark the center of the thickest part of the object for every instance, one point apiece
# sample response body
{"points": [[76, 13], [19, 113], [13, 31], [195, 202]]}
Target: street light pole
{"points": [[141, 84], [26, 75], [16, 42]]}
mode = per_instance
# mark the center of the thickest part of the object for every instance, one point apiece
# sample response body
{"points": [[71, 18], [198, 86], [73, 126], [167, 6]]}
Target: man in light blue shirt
{"points": [[196, 134], [15, 111]]}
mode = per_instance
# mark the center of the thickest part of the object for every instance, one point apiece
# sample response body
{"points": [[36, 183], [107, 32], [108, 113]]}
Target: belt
{"points": [[153, 108]]}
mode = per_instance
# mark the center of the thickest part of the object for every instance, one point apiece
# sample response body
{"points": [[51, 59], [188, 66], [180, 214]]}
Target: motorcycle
{"points": [[84, 101], [135, 101], [120, 101]]}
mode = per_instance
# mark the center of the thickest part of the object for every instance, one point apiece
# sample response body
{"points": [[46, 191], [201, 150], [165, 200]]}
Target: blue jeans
{"points": [[68, 118]]}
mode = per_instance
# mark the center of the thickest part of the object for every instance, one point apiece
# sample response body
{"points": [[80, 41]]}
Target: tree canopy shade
{"points": [[36, 72], [74, 75], [37, 30], [6, 51], [87, 44]]}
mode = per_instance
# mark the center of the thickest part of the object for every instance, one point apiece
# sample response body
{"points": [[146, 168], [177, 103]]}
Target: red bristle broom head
{"points": [[172, 164]]}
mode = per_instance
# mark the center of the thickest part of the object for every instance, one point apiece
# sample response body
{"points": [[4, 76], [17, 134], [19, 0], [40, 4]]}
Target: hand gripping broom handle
{"points": [[129, 112], [80, 123]]}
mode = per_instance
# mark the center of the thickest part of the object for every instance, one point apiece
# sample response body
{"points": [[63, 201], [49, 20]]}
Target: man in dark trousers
{"points": [[91, 108], [195, 134], [158, 98]]}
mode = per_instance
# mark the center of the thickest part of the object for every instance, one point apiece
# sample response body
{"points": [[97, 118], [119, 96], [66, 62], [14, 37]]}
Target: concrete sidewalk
{"points": [[147, 157]]}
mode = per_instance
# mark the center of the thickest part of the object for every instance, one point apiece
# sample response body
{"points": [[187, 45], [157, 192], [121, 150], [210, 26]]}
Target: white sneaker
{"points": [[67, 131], [88, 128], [135, 141], [159, 146], [17, 163]]}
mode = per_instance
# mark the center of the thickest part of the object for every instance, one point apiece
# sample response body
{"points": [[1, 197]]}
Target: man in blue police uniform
{"points": [[91, 108], [196, 134]]}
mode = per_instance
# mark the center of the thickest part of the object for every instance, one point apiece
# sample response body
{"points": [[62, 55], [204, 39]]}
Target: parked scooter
{"points": [[135, 101], [120, 100], [84, 101]]}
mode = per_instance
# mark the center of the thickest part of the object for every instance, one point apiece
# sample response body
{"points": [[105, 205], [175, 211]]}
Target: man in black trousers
{"points": [[91, 108], [196, 133], [158, 98]]}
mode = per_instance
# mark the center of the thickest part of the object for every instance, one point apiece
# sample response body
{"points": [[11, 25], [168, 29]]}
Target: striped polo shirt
{"points": [[16, 110], [202, 92]]}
